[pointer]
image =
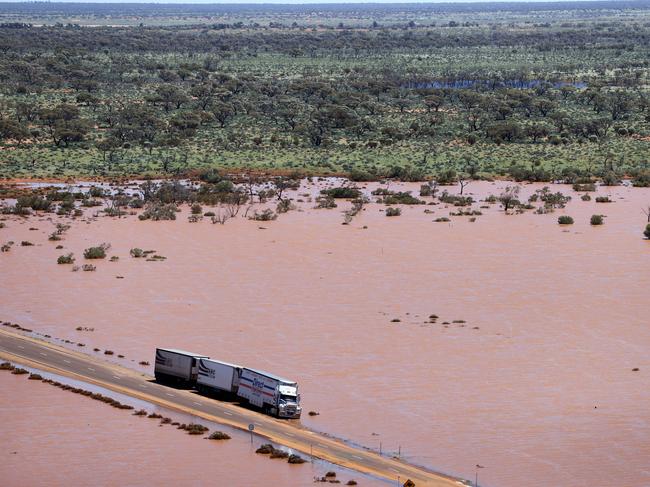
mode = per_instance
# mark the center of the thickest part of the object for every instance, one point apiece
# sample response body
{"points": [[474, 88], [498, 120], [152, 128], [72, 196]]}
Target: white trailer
{"points": [[176, 365], [275, 395], [216, 376]]}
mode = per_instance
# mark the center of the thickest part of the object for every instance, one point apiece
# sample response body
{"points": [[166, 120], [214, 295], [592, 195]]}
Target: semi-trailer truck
{"points": [[275, 395], [177, 366]]}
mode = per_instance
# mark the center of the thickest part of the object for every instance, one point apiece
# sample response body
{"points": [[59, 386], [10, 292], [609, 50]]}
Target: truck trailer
{"points": [[218, 377], [177, 366], [275, 395]]}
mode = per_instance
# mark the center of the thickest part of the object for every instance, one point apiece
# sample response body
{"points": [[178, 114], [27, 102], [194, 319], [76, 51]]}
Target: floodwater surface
{"points": [[52, 437], [531, 376]]}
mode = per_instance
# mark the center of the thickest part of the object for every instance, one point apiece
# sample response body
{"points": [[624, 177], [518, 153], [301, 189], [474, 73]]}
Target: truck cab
{"points": [[288, 401]]}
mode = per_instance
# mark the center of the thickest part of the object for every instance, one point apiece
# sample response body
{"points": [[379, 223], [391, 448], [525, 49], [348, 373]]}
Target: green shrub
{"points": [[136, 252], [402, 198], [345, 192], [596, 220], [603, 199], [196, 209], [98, 252], [159, 211], [264, 216], [26, 243], [219, 435], [393, 211], [65, 259], [646, 232], [584, 187], [565, 220], [585, 197]]}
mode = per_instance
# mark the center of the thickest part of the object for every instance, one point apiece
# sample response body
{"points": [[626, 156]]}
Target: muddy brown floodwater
{"points": [[51, 437], [534, 381]]}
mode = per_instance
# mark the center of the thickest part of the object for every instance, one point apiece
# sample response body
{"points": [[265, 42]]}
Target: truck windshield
{"points": [[285, 397]]}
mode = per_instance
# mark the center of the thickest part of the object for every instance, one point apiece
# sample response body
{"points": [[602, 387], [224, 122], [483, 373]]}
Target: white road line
{"points": [[357, 457], [116, 377], [90, 368], [258, 424], [170, 395], [143, 386], [290, 434], [20, 346], [228, 413], [324, 446], [43, 354], [197, 403], [67, 361], [394, 470]]}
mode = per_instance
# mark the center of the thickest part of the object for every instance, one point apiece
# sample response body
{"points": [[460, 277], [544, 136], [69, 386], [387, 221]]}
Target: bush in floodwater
{"points": [[646, 232], [585, 197], [596, 220], [35, 377], [6, 366], [140, 412], [344, 192], [195, 429], [603, 199], [565, 220], [295, 459], [19, 371], [159, 211], [196, 209], [65, 259], [137, 253], [264, 216], [442, 219], [393, 211], [219, 435], [581, 188], [279, 454], [88, 268], [265, 449], [98, 252]]}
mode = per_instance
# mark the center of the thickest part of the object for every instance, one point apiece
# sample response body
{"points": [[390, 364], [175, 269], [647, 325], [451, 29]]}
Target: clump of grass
{"points": [[646, 232], [143, 362], [108, 352], [35, 377], [603, 199], [395, 320], [26, 243], [219, 435], [6, 366], [19, 371], [330, 475], [279, 454], [565, 220], [88, 268], [391, 211], [140, 412], [314, 413], [442, 219], [155, 416], [351, 482], [166, 421]]}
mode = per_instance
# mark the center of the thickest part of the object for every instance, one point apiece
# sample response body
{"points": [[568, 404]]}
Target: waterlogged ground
{"points": [[536, 384], [53, 437]]}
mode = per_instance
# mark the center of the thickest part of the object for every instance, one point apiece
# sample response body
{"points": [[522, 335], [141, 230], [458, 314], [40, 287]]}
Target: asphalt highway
{"points": [[52, 358]]}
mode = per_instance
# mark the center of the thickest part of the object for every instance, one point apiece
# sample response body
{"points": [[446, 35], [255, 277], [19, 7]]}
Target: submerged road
{"points": [[52, 358]]}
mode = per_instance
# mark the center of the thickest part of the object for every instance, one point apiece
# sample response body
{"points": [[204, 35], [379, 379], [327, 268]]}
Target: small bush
{"points": [[196, 209], [35, 377], [603, 199], [295, 459], [143, 362], [26, 243], [88, 268], [330, 475], [65, 259], [581, 188], [314, 413], [140, 412], [157, 212], [344, 192], [596, 220], [585, 197], [393, 211], [19, 371], [155, 416], [265, 449], [219, 435], [6, 366], [442, 219], [136, 252], [565, 220], [265, 216], [98, 252], [108, 352], [646, 232]]}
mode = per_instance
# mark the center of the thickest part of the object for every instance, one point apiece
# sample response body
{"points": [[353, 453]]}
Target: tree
{"points": [[509, 197]]}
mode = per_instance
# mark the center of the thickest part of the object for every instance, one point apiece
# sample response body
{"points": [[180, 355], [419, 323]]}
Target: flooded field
{"points": [[59, 438], [528, 370]]}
